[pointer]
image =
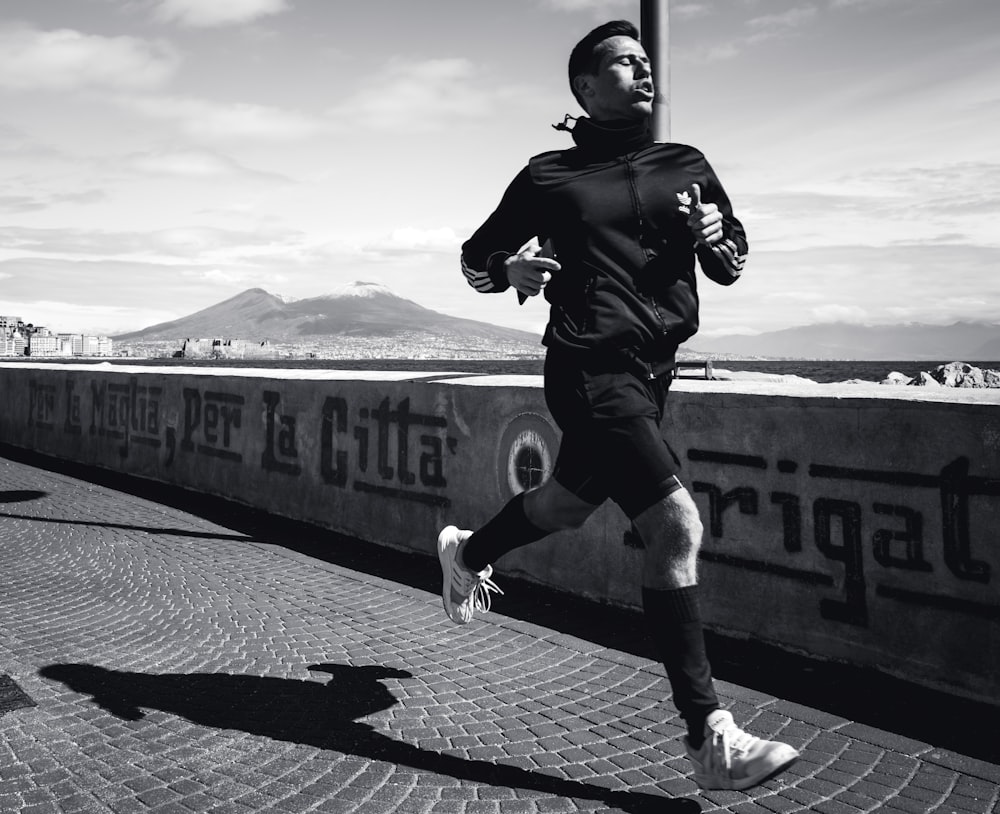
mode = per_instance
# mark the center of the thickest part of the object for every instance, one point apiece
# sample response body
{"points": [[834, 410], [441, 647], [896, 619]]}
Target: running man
{"points": [[627, 218]]}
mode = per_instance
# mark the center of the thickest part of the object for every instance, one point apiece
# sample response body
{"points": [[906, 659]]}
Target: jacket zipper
{"points": [[637, 206]]}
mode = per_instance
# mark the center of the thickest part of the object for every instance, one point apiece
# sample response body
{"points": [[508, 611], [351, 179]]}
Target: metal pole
{"points": [[654, 29]]}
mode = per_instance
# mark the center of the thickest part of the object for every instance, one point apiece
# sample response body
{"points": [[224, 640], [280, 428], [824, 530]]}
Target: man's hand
{"points": [[705, 220], [528, 271]]}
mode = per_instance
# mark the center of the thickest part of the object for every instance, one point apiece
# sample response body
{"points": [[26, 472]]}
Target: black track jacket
{"points": [[615, 209]]}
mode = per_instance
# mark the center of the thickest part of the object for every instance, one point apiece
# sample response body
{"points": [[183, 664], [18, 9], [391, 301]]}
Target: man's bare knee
{"points": [[671, 531], [674, 516]]}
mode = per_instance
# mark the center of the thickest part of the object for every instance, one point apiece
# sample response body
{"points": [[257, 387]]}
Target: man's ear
{"points": [[583, 84]]}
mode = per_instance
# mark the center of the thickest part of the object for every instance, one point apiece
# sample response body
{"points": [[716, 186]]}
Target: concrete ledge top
{"points": [[308, 374], [478, 380], [730, 382], [873, 391], [789, 387]]}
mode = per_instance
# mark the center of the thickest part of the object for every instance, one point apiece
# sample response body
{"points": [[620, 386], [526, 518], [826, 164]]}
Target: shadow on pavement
{"points": [[20, 495], [325, 716], [174, 532]]}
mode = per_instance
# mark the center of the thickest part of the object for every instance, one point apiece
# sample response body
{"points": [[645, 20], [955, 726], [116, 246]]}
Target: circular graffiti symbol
{"points": [[525, 456], [528, 462], [530, 467]]}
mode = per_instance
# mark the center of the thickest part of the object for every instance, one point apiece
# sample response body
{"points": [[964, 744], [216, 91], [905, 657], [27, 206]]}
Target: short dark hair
{"points": [[585, 57]]}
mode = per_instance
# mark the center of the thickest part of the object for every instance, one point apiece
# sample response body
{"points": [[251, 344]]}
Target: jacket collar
{"points": [[611, 139]]}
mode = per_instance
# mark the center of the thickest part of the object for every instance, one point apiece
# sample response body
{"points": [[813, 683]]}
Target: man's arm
{"points": [[504, 251], [721, 242]]}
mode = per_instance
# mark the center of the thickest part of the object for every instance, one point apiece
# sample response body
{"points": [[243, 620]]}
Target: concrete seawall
{"points": [[851, 522]]}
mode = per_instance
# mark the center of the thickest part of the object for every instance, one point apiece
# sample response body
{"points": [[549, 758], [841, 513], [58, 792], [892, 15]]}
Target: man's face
{"points": [[622, 88]]}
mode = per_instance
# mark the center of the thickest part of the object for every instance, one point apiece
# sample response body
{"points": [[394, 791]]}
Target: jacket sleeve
{"points": [[512, 224], [723, 262]]}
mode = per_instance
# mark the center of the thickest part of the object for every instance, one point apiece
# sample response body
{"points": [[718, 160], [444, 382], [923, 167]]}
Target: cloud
{"points": [[194, 165], [778, 25], [36, 203], [793, 296], [584, 5], [955, 202], [199, 241], [166, 246], [758, 30], [606, 9], [839, 313], [218, 276], [689, 11], [21, 203], [865, 3], [64, 59], [16, 143], [925, 283], [410, 239], [215, 13], [202, 119], [424, 95], [967, 187]]}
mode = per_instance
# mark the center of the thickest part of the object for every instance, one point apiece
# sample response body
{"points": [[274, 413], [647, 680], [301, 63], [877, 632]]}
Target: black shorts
{"points": [[612, 444]]}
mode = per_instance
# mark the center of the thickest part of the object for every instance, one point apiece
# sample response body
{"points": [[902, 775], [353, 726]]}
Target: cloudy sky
{"points": [[159, 156]]}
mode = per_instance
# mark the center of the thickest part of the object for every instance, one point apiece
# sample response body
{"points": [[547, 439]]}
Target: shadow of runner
{"points": [[20, 495], [176, 532], [324, 716]]}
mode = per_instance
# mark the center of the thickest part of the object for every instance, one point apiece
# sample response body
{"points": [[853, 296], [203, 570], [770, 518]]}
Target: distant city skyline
{"points": [[20, 337], [160, 156], [9, 321]]}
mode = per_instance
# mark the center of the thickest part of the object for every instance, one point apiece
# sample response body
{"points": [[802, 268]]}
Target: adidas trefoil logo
{"points": [[684, 199]]}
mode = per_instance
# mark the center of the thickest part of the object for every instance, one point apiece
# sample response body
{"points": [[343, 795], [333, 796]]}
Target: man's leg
{"points": [[467, 557], [671, 531], [527, 517], [723, 755]]}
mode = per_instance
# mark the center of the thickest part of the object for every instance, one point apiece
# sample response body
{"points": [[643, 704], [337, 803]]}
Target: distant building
{"points": [[9, 325], [64, 344], [12, 344], [43, 343], [219, 348], [20, 339], [83, 345], [11, 336]]}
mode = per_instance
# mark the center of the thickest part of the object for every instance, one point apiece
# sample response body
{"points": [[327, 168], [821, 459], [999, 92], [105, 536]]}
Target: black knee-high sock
{"points": [[508, 530], [673, 618]]}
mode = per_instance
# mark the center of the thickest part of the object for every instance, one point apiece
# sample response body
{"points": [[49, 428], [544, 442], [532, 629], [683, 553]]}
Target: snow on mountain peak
{"points": [[360, 288]]}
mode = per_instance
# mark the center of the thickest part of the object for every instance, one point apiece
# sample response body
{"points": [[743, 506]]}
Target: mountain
{"points": [[367, 311], [964, 341], [228, 319], [356, 310]]}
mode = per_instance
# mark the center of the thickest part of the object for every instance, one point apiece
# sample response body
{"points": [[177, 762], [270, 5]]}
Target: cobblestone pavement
{"points": [[180, 666]]}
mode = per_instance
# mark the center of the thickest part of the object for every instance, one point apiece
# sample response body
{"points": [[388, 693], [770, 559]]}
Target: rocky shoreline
{"points": [[953, 374]]}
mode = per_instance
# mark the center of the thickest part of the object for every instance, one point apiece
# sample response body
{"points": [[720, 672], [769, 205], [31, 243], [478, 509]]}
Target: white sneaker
{"points": [[463, 591], [733, 759]]}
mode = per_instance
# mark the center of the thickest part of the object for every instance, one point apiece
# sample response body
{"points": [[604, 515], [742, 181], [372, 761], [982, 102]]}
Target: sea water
{"points": [[817, 370]]}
